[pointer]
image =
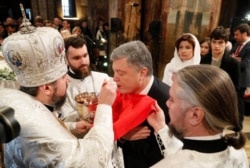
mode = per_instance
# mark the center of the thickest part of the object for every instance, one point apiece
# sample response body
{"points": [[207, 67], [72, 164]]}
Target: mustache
{"points": [[83, 65]]}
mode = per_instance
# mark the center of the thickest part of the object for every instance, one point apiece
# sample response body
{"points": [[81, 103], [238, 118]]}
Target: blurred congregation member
{"points": [[43, 140], [205, 46], [2, 29], [229, 46], [187, 52], [220, 58], [106, 31], [133, 74], [77, 30], [38, 22], [229, 43], [10, 25], [57, 23], [204, 130], [241, 52], [1, 41], [66, 33], [3, 32], [9, 20], [100, 22], [85, 29], [66, 25], [102, 40], [47, 23], [101, 36]]}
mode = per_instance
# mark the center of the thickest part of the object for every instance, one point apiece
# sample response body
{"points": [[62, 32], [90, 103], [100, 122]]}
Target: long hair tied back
{"points": [[212, 89], [234, 137]]}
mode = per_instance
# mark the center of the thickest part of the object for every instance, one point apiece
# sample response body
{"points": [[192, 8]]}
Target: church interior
{"points": [[158, 23]]}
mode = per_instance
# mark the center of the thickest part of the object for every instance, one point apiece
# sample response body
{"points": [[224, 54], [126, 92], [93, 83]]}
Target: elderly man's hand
{"points": [[157, 119]]}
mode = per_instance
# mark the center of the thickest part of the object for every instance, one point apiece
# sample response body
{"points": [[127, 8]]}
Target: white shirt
{"points": [[91, 83], [149, 85]]}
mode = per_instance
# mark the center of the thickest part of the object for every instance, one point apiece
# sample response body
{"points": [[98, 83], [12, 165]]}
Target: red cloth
{"points": [[129, 111]]}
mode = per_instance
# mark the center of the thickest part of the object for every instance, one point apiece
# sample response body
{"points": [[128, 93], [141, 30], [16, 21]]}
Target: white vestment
{"points": [[91, 83], [44, 142], [176, 157]]}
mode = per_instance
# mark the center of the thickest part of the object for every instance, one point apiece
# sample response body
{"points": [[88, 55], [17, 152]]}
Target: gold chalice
{"points": [[86, 105]]}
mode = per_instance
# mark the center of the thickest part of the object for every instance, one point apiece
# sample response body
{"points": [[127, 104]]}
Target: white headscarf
{"points": [[176, 63]]}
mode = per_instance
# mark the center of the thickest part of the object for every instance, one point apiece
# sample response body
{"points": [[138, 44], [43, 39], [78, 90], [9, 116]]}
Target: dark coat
{"points": [[144, 153], [232, 67], [228, 64], [244, 64]]}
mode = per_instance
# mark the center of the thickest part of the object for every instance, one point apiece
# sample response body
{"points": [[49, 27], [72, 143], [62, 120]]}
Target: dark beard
{"points": [[58, 101], [174, 132], [81, 74]]}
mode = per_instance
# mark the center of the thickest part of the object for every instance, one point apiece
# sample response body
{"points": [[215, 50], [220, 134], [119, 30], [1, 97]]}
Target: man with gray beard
{"points": [[204, 130]]}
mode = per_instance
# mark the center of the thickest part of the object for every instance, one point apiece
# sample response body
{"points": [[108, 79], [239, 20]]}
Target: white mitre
{"points": [[36, 55]]}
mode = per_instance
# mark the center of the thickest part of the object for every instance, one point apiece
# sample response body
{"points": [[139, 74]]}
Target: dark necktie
{"points": [[238, 50]]}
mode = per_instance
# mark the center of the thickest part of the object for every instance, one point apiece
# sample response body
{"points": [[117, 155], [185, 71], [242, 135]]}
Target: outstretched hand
{"points": [[157, 119]]}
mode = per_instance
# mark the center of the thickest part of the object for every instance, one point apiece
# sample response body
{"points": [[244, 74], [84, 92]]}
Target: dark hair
{"points": [[185, 37], [219, 33], [106, 24], [76, 42], [11, 24], [207, 40], [38, 20], [33, 91], [85, 20], [243, 28]]}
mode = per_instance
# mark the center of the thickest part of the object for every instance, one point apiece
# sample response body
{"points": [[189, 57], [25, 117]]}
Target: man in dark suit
{"points": [[241, 52], [133, 73], [220, 58]]}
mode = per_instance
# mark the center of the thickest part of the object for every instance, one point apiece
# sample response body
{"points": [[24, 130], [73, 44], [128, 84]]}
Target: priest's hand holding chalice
{"points": [[86, 105]]}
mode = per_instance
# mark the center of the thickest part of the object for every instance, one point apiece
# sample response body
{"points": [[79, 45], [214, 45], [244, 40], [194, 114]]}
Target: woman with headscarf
{"points": [[187, 52]]}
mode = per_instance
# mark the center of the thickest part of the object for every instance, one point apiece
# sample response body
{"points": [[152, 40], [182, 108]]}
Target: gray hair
{"points": [[211, 89], [136, 53]]}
